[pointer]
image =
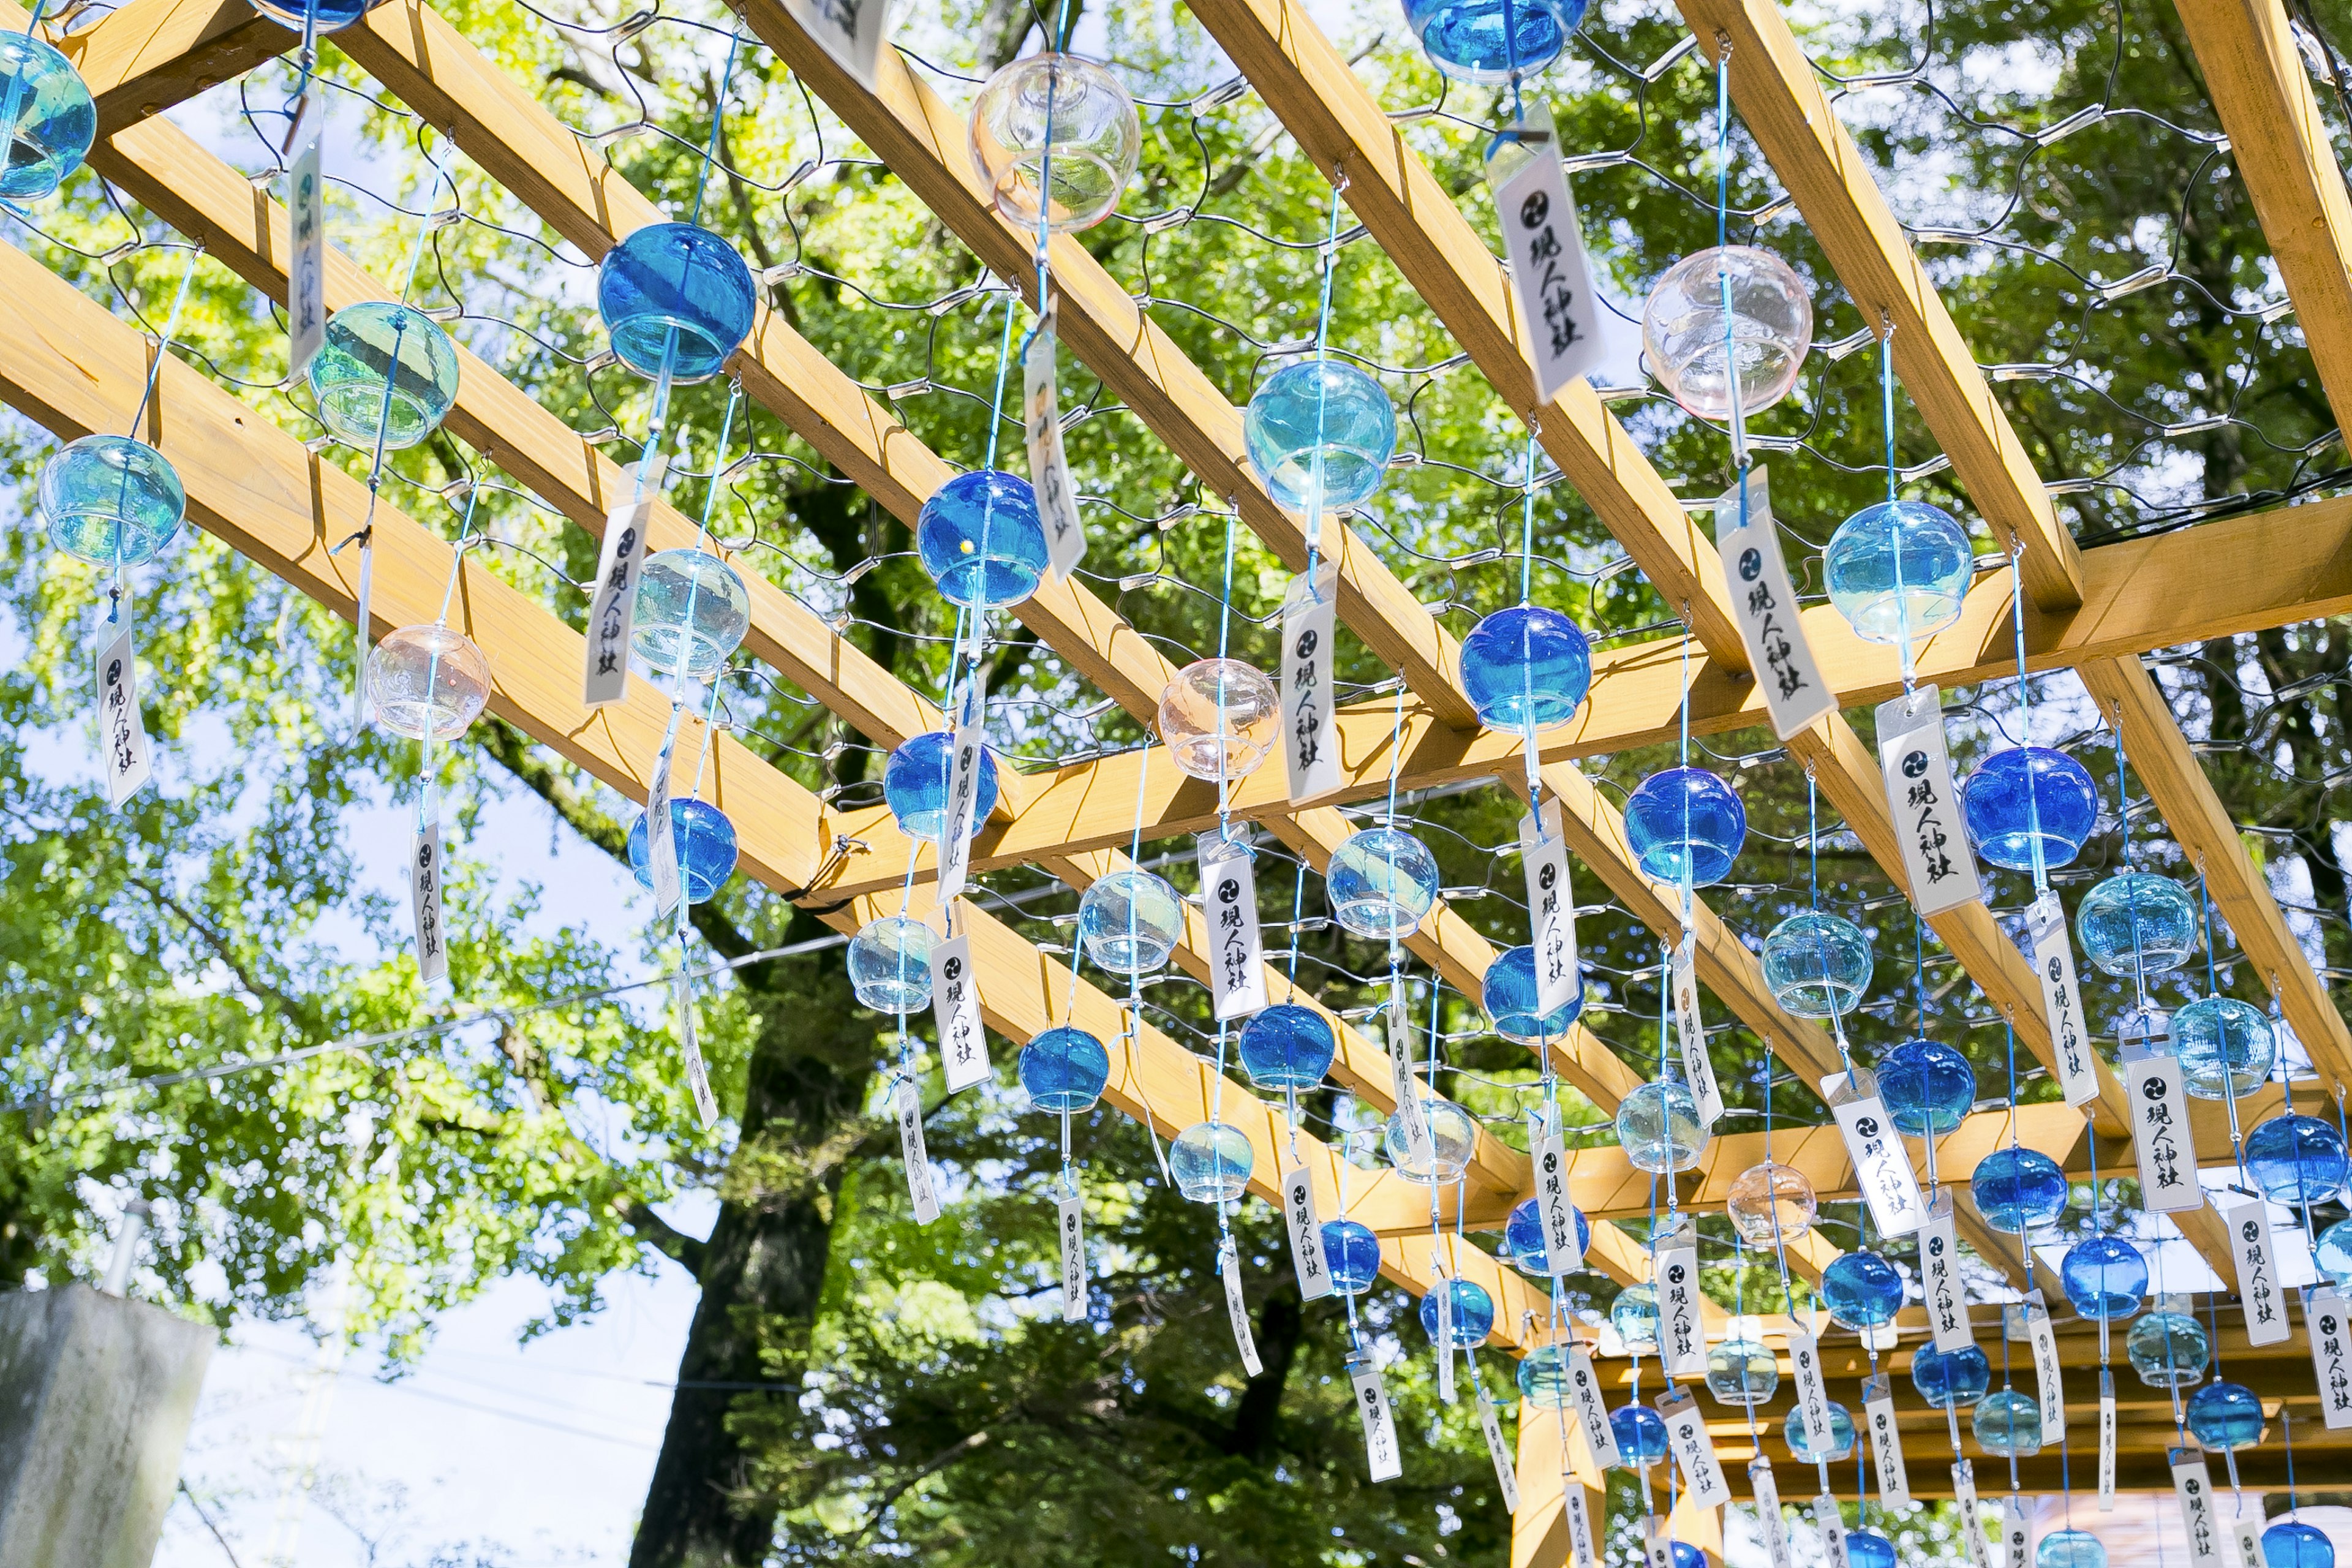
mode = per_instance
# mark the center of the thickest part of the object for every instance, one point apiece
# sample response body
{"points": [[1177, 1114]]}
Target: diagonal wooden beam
{"points": [[2278, 141], [2129, 695], [922, 139], [151, 55], [1782, 105]]}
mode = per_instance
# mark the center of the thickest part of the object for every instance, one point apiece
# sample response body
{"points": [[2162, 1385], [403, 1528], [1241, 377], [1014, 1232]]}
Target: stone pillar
{"points": [[96, 1394]]}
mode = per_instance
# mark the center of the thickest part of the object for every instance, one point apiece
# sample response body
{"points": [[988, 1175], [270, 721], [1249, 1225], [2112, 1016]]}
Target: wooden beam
{"points": [[1311, 88], [2201, 825], [1550, 1461], [1782, 105], [2278, 141], [151, 55], [922, 140]]}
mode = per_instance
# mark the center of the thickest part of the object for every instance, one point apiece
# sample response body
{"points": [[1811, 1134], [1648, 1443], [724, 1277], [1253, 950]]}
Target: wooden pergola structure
{"points": [[69, 364]]}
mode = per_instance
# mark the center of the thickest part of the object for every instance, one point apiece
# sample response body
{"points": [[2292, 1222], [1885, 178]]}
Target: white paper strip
{"points": [[1682, 1335], [2161, 1132], [1305, 1228], [1690, 1032], [1379, 1421], [1411, 1115], [1833, 1528], [1444, 1342], [1925, 807], [1756, 579], [1563, 1252], [1592, 1410], [122, 734], [2194, 1487], [2331, 1356], [1311, 752], [1657, 1545], [306, 272], [661, 836], [1885, 1441], [2246, 1536], [1812, 1397], [690, 1049], [1770, 1524], [2106, 1441], [955, 1009], [1229, 900], [363, 621], [1551, 281], [2062, 998], [1237, 1309], [2016, 1529], [2249, 1223], [613, 607], [964, 774], [2045, 1368], [1581, 1551], [1703, 1482], [1499, 1451], [925, 1197], [1071, 1215], [1551, 909], [851, 31], [1939, 1270], [1049, 465], [1973, 1530], [424, 903], [1882, 1165]]}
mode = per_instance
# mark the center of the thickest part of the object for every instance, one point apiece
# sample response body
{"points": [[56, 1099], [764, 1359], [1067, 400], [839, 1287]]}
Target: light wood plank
{"points": [[149, 55]]}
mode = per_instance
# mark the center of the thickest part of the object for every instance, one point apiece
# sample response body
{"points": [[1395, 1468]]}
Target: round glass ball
{"points": [[1219, 718], [1381, 882], [1842, 1435], [1130, 921], [981, 540], [2008, 1422], [1544, 1378], [1925, 1085], [1527, 667], [2291, 1543], [1817, 966], [1742, 1372], [2136, 923], [1898, 569], [1699, 357], [1321, 426], [1640, 1434], [1453, 1138], [1489, 41], [1865, 1548], [2168, 1348], [1686, 1555], [1509, 994], [1473, 1311], [1353, 1253], [1059, 118], [109, 499], [1771, 1204], [2028, 796], [702, 839], [333, 15], [1685, 824], [2105, 1277], [692, 613], [2332, 1252], [1210, 1162], [1524, 1242], [428, 678], [1955, 1378], [1064, 1070], [2296, 1160], [2226, 1047], [917, 780], [890, 965], [56, 120], [1287, 1046], [1862, 1291], [369, 345], [672, 290], [1636, 1317], [2018, 1189], [2225, 1417], [1659, 1129], [2070, 1549]]}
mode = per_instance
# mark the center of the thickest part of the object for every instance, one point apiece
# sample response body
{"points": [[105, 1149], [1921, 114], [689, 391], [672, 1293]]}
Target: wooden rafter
{"points": [[149, 55]]}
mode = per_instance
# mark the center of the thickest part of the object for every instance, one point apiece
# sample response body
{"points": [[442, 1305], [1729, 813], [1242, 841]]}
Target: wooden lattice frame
{"points": [[70, 366]]}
